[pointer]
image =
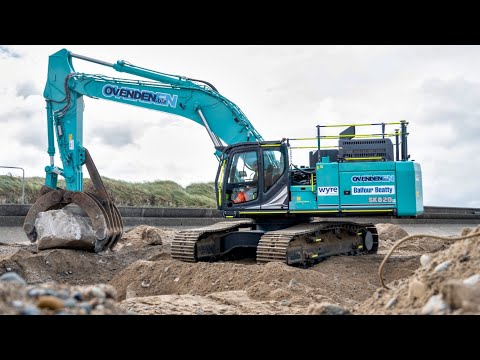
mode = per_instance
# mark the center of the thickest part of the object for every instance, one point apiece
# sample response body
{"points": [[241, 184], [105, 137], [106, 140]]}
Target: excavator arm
{"points": [[161, 92], [193, 99]]}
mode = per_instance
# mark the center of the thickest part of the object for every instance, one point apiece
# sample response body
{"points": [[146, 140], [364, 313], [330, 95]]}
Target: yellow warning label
{"points": [[71, 143]]}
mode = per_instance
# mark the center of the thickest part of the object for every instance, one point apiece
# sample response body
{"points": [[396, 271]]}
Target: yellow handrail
{"points": [[373, 124]]}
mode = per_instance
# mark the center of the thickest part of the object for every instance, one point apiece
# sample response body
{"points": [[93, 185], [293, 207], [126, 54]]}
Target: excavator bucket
{"points": [[105, 218]]}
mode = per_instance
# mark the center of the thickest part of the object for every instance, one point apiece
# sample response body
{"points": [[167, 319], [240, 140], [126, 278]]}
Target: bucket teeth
{"points": [[106, 220]]}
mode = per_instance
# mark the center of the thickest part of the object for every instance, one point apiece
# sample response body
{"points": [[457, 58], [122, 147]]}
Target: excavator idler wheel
{"points": [[368, 241], [105, 218]]}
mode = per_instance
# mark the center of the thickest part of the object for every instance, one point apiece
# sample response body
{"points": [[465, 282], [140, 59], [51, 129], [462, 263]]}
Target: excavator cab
{"points": [[253, 176]]}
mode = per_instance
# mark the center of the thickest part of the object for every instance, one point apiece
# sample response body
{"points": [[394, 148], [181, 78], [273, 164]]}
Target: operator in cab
{"points": [[249, 193]]}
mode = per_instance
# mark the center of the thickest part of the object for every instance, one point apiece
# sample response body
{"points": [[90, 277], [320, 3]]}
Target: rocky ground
{"points": [[446, 282], [140, 277]]}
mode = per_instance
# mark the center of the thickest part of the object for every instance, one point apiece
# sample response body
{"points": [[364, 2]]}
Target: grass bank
{"points": [[123, 193]]}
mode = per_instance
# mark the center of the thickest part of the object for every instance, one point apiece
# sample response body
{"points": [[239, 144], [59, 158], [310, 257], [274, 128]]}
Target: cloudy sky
{"points": [[284, 90]]}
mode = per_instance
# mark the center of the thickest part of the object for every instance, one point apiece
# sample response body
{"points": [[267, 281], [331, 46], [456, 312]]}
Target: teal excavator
{"points": [[269, 202]]}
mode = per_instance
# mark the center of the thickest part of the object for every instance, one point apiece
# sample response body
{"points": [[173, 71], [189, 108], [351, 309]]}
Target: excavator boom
{"points": [[196, 100]]}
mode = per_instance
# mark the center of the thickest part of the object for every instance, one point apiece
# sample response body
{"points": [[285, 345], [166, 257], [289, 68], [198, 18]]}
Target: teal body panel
{"points": [[172, 94], [374, 189], [303, 198], [376, 186], [327, 187], [409, 189]]}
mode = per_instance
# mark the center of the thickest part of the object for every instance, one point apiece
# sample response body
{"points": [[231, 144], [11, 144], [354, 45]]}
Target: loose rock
{"points": [[13, 277]]}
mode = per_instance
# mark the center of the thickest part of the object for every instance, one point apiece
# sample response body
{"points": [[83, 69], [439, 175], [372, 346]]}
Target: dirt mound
{"points": [[345, 281], [72, 266], [221, 303], [16, 298], [144, 235], [447, 283], [145, 278], [388, 234]]}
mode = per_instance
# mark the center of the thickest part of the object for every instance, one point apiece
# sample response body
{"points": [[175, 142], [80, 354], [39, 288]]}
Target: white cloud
{"points": [[285, 91]]}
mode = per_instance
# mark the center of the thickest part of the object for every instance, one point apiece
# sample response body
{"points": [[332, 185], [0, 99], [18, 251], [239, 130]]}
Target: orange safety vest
{"points": [[240, 197]]}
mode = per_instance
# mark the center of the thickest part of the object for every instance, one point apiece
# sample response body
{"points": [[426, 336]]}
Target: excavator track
{"points": [[307, 244], [185, 244], [302, 244]]}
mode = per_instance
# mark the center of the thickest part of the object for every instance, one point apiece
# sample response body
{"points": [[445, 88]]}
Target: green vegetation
{"points": [[123, 193]]}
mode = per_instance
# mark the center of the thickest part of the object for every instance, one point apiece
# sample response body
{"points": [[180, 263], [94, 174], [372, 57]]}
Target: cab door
{"points": [[275, 180], [241, 183]]}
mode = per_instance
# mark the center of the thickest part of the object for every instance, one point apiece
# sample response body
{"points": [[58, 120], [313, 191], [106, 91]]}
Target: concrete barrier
{"points": [[127, 211], [14, 215]]}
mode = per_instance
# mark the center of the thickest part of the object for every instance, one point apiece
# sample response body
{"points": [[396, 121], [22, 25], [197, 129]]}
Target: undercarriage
{"points": [[302, 244]]}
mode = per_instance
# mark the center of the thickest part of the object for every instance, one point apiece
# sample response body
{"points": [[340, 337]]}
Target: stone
{"points": [[70, 303], [50, 302], [152, 236], [472, 280], [458, 295], [36, 292], [58, 229], [30, 310], [293, 283], [176, 279], [464, 257], [86, 307], [17, 303], [443, 266], [435, 305], [325, 308], [199, 312], [286, 303], [416, 289], [97, 292], [425, 260], [9, 269], [391, 303], [14, 278], [51, 292], [63, 294]]}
